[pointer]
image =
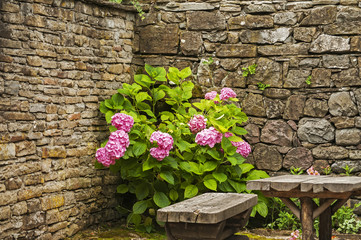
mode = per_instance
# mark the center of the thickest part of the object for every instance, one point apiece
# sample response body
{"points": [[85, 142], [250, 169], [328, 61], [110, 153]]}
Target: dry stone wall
{"points": [[292, 123], [58, 59]]}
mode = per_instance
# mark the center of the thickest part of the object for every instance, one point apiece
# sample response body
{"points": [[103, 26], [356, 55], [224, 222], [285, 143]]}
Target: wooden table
{"points": [[333, 192]]}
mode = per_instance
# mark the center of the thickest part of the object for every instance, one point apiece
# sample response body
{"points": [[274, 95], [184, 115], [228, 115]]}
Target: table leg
{"points": [[307, 218], [325, 223]]}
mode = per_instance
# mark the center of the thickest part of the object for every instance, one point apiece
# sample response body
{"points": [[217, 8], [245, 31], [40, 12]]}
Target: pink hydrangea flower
{"points": [[209, 137], [228, 134], [295, 235], [164, 140], [117, 144], [159, 153], [122, 121], [227, 93], [243, 148], [210, 95], [197, 123], [104, 158], [312, 171]]}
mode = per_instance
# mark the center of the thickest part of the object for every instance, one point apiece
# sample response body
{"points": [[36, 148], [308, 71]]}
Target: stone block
{"points": [[285, 18], [296, 78], [321, 77], [274, 108], [19, 208], [250, 21], [159, 39], [10, 7], [50, 202], [267, 157], [355, 154], [277, 93], [328, 43], [299, 157], [37, 107], [7, 151], [25, 148], [294, 107], [8, 197], [33, 220], [315, 130], [356, 44], [284, 49], [236, 50], [267, 72], [29, 193], [13, 183], [336, 61], [205, 21], [191, 43], [253, 105], [343, 122], [346, 78], [316, 108], [5, 213], [18, 116], [320, 16], [347, 137], [115, 68], [344, 28], [277, 132], [54, 152], [304, 34], [260, 8], [341, 104], [76, 183], [187, 6], [265, 36]]}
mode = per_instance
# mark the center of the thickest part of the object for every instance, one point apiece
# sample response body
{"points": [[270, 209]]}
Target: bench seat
{"points": [[207, 216]]}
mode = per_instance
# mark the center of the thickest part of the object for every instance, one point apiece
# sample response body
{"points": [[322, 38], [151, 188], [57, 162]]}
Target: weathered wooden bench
{"points": [[207, 216]]}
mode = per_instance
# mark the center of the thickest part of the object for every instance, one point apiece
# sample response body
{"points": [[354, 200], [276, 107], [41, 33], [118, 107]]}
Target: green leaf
{"points": [[185, 73], [173, 195], [262, 209], [150, 163], [195, 168], [161, 199], [140, 207], [142, 190], [220, 177], [256, 174], [108, 116], [98, 165], [211, 184], [239, 187], [246, 167], [118, 101], [235, 139], [140, 97], [143, 80], [168, 177], [103, 108], [190, 191], [239, 130], [185, 166], [139, 148], [209, 166], [158, 95], [112, 128], [199, 105], [148, 68], [122, 188], [184, 145], [136, 219], [173, 77], [109, 103], [213, 152]]}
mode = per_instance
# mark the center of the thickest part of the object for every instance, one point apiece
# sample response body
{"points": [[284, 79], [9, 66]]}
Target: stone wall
{"points": [[292, 123], [58, 59]]}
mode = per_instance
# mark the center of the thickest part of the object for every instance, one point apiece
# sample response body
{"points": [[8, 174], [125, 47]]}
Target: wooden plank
{"points": [[325, 221], [324, 204], [207, 208], [342, 184], [299, 194], [292, 206], [313, 184]]}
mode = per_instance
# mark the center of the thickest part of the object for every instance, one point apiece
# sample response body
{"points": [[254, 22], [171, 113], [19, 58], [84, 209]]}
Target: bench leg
{"points": [[169, 232]]}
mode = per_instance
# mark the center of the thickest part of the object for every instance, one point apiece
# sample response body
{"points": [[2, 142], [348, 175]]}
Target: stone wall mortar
{"points": [[58, 59], [293, 123]]}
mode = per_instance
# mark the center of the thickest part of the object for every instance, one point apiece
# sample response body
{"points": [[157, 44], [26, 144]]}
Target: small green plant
{"points": [[308, 80], [345, 221], [250, 70], [348, 170], [136, 4], [327, 170], [262, 86], [209, 61], [296, 171], [285, 220]]}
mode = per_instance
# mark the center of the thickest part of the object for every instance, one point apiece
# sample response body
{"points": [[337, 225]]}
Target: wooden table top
{"points": [[207, 208], [307, 183]]}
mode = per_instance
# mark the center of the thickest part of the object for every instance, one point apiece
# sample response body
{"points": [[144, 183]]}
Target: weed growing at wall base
{"points": [[166, 149]]}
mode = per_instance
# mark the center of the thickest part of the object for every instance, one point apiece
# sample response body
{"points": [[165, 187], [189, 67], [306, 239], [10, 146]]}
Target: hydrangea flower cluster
{"points": [[165, 144], [118, 140], [243, 147], [197, 123], [122, 121], [295, 235], [312, 171], [209, 137], [227, 93], [210, 95]]}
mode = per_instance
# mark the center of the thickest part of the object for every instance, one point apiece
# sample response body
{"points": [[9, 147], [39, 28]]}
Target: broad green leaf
{"points": [[140, 97], [150, 163], [256, 174], [195, 168], [136, 219], [118, 100], [108, 116], [142, 191], [143, 80], [140, 207], [143, 106], [139, 148], [239, 187], [124, 91], [103, 108], [190, 191], [220, 177], [161, 199], [158, 95], [149, 112], [122, 188], [211, 184], [149, 69], [185, 73], [188, 85], [112, 128], [209, 166], [173, 77], [185, 166], [168, 177], [214, 153], [235, 139], [98, 165], [183, 145], [199, 105], [239, 130], [225, 187], [173, 195], [261, 208], [246, 167], [109, 103]]}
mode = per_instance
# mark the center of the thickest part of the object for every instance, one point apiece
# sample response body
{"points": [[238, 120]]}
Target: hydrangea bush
{"points": [[167, 149]]}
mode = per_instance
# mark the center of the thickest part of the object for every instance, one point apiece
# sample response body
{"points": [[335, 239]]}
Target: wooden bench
{"points": [[207, 216]]}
